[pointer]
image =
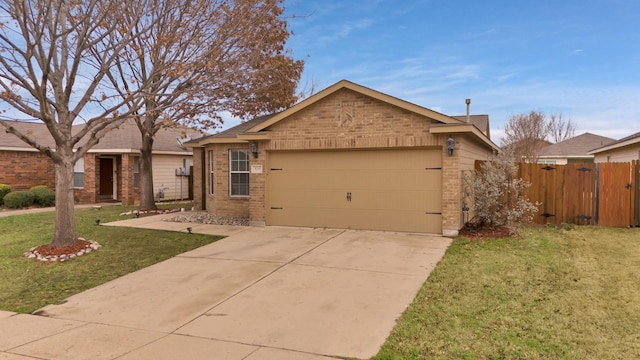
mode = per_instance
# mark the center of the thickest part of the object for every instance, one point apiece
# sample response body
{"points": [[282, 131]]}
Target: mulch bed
{"points": [[48, 253], [476, 232]]}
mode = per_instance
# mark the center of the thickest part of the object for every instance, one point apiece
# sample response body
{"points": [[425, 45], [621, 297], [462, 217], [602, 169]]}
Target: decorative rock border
{"points": [[151, 212], [203, 217], [49, 254]]}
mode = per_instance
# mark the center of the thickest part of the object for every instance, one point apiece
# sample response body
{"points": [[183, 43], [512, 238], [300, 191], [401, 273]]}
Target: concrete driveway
{"points": [[261, 293]]}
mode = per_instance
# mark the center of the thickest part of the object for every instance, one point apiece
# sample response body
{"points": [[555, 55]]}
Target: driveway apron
{"points": [[261, 293]]}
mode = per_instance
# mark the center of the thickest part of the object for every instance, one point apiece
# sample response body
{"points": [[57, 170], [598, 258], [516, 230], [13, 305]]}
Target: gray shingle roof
{"points": [[233, 132], [627, 138], [127, 136], [576, 146], [480, 121]]}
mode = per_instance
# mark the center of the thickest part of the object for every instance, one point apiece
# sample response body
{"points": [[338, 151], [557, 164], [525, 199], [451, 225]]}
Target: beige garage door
{"points": [[397, 190]]}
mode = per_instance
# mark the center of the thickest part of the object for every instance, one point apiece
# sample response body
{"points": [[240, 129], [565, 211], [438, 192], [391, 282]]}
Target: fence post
{"points": [[597, 194]]}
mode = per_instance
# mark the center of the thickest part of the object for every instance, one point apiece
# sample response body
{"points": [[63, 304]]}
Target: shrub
{"points": [[497, 195], [43, 195], [19, 199], [4, 190]]}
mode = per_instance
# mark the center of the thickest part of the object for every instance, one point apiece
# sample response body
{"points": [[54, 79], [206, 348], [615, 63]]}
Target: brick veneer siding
{"points": [[199, 159], [220, 202], [88, 193], [345, 120], [127, 193], [23, 170], [349, 120]]}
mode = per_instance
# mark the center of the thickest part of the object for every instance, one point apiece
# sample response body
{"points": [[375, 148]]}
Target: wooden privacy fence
{"points": [[606, 194]]}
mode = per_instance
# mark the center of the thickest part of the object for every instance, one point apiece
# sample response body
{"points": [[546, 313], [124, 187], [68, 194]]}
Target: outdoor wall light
{"points": [[254, 149], [450, 143], [189, 230]]}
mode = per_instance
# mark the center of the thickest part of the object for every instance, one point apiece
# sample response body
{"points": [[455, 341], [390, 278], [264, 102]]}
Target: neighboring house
{"points": [[623, 150], [347, 157], [571, 151], [109, 171]]}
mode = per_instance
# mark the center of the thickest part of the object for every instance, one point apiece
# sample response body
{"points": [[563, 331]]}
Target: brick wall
{"points": [[24, 169], [349, 120], [198, 159], [88, 193], [341, 121], [220, 202]]}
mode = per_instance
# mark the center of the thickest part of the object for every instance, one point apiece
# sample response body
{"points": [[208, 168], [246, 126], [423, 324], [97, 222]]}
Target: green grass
{"points": [[28, 285], [551, 294]]}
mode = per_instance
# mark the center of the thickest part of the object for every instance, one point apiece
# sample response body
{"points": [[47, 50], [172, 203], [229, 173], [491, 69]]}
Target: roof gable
{"points": [[345, 84], [261, 128]]}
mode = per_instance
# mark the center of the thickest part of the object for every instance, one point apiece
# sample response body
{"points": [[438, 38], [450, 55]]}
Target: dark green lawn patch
{"points": [[549, 294], [28, 285]]}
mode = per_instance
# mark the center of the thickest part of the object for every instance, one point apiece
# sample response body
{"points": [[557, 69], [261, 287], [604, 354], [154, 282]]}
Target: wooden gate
{"points": [[565, 193], [606, 194]]}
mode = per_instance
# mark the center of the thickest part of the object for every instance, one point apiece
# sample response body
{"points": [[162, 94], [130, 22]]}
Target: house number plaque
{"points": [[256, 169]]}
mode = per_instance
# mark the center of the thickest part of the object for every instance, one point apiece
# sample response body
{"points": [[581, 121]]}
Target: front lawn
{"points": [[28, 285], [551, 294]]}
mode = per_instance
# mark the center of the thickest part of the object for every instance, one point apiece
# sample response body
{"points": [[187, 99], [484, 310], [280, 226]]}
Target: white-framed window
{"points": [[210, 162], [238, 172], [78, 173], [136, 171]]}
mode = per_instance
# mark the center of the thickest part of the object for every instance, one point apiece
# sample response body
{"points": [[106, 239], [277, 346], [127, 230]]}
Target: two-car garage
{"points": [[388, 189]]}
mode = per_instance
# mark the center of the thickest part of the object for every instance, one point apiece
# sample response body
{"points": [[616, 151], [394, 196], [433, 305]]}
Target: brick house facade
{"points": [[354, 123], [109, 171]]}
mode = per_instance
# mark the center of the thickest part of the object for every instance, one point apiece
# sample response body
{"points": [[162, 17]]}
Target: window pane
{"points": [[211, 174], [78, 180], [136, 171], [79, 166], [239, 173], [240, 184], [78, 173]]}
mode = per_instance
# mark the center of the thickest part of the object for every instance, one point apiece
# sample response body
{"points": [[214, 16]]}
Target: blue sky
{"points": [[578, 58]]}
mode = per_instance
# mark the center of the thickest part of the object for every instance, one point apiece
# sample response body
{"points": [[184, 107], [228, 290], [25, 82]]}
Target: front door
{"points": [[106, 178]]}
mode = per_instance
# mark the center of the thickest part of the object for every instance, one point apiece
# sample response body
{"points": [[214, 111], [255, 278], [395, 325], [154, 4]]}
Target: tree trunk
{"points": [[147, 201], [65, 233]]}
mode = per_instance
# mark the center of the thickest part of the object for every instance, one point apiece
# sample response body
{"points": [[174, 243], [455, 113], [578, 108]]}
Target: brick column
{"points": [[451, 185]]}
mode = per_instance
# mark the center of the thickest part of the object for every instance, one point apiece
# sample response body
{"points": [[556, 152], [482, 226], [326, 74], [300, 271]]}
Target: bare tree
{"points": [[559, 129], [54, 58], [205, 57], [524, 135]]}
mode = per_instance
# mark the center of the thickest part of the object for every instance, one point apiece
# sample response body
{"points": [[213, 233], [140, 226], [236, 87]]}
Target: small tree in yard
{"points": [[202, 58], [497, 194], [55, 57]]}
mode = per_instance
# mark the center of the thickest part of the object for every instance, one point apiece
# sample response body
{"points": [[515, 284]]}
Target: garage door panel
{"points": [[390, 189], [427, 201], [354, 219]]}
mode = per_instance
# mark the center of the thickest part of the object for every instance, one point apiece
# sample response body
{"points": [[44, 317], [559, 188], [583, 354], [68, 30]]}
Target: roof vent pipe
{"points": [[468, 101]]}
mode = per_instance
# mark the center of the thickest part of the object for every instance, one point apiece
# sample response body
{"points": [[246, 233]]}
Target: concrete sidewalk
{"points": [[260, 293], [13, 212]]}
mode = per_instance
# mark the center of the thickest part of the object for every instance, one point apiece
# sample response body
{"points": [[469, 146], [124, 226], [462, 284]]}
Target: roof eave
{"points": [[464, 128], [621, 144]]}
